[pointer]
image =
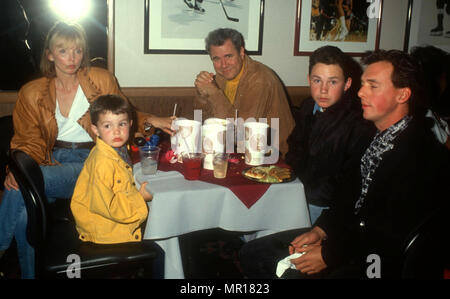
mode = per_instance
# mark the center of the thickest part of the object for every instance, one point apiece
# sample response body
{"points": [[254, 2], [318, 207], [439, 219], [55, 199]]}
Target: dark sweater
{"points": [[325, 147]]}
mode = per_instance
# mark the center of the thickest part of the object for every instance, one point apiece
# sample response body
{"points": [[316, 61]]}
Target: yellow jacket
{"points": [[106, 204]]}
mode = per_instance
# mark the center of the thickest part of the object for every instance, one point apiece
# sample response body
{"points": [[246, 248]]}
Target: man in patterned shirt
{"points": [[396, 188]]}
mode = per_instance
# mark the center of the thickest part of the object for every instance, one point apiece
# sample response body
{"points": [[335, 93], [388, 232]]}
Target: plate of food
{"points": [[269, 174]]}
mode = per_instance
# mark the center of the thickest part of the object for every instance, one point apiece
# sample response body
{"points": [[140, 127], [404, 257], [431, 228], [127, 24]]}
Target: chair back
{"points": [[426, 250], [6, 133], [54, 242], [29, 177]]}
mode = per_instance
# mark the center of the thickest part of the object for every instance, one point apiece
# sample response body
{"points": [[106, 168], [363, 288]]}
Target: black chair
{"points": [[59, 252], [426, 251]]}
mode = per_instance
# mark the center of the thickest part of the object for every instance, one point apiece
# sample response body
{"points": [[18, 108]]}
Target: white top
{"points": [[68, 127]]}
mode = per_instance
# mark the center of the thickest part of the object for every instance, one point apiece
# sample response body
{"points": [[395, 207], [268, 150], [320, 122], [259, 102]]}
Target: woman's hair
{"points": [[64, 34], [112, 103], [219, 36]]}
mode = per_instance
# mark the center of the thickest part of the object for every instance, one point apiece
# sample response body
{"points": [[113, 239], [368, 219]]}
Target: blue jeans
{"points": [[59, 183]]}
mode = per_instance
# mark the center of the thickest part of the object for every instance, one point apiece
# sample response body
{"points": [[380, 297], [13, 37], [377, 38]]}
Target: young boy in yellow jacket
{"points": [[106, 204]]}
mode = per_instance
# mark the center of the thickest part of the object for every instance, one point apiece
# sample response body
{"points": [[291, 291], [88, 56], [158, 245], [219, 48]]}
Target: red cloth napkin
{"points": [[248, 191]]}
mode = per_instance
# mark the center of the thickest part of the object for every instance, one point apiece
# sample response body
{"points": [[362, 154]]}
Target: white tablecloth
{"points": [[180, 206]]}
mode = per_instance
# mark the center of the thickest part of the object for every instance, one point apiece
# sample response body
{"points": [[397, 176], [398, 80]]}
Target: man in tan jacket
{"points": [[241, 85]]}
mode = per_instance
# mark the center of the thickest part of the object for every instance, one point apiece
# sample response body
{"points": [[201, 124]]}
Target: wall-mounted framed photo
{"points": [[428, 23], [180, 26], [352, 25]]}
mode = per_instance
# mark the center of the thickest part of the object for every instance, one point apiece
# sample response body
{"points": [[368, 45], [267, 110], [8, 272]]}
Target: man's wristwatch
{"points": [[147, 127]]}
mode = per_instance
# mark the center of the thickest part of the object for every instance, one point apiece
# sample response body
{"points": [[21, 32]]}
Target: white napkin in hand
{"points": [[285, 263]]}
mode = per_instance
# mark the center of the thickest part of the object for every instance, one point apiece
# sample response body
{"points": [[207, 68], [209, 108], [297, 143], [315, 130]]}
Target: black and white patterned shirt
{"points": [[382, 143]]}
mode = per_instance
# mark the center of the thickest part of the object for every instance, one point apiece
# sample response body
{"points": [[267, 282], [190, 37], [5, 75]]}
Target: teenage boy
{"points": [[330, 136]]}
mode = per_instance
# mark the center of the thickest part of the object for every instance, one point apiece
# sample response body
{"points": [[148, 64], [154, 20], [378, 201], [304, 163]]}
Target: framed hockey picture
{"points": [[352, 25], [428, 23], [180, 26]]}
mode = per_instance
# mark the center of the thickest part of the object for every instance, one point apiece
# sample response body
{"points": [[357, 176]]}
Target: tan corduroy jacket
{"points": [[260, 94], [35, 127]]}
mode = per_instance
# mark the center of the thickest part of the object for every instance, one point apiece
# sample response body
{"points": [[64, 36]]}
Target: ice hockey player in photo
{"points": [[439, 29], [195, 4]]}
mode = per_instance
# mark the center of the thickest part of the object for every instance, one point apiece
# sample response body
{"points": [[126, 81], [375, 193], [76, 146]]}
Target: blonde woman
{"points": [[53, 126]]}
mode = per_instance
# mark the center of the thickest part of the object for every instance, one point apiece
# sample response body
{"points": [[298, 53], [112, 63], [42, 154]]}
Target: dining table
{"points": [[234, 203]]}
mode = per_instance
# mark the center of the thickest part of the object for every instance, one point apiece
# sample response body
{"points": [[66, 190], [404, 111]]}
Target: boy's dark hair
{"points": [[113, 103], [350, 68], [406, 73], [331, 55], [219, 36]]}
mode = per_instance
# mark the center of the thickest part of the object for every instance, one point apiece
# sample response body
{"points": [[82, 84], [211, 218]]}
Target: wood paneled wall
{"points": [[160, 100]]}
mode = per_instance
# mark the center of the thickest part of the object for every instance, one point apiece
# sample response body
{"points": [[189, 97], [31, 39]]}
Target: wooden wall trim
{"points": [[10, 97], [293, 91], [296, 94], [158, 91]]}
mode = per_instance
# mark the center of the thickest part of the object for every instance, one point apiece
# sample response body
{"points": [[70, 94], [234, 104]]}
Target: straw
{"points": [[235, 128], [187, 146], [174, 109]]}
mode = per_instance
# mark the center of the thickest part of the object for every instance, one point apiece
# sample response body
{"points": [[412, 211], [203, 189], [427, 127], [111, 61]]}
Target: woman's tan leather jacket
{"points": [[35, 127]]}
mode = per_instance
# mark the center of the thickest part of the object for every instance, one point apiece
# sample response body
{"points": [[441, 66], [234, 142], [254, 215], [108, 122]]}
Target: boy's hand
{"points": [[145, 194]]}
